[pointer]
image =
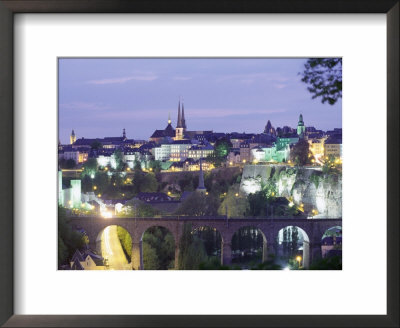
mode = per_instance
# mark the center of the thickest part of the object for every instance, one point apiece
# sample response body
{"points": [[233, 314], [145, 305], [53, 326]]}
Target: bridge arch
{"points": [[249, 242], [293, 243], [114, 244]]}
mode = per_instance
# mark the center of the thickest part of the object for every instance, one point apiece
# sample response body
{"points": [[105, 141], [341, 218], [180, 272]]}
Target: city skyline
{"points": [[100, 97]]}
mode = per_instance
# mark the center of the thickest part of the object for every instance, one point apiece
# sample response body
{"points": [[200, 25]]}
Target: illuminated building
{"points": [[200, 151], [301, 129], [180, 150], [333, 147], [163, 152]]}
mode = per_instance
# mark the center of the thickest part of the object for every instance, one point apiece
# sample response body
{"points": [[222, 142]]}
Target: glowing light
{"points": [[230, 163], [298, 259], [151, 169], [114, 184], [237, 194], [106, 169], [244, 161], [128, 169], [123, 195], [272, 194], [94, 187], [99, 195], [106, 214], [286, 269], [92, 176], [169, 193]]}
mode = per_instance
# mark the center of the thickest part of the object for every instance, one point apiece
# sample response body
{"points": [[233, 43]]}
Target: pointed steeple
{"points": [[201, 186], [169, 118], [183, 116], [179, 122], [123, 133]]}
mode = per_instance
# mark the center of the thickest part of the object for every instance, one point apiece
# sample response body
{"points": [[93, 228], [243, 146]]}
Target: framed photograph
{"points": [[191, 166]]}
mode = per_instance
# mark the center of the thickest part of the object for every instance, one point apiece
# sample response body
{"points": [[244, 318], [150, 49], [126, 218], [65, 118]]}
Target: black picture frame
{"points": [[10, 7]]}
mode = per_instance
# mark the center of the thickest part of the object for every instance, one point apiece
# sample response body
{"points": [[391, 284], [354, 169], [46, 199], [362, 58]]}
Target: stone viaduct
{"points": [[269, 227]]}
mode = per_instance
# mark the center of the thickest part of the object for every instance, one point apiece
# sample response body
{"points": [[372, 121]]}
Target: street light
{"points": [[298, 259]]}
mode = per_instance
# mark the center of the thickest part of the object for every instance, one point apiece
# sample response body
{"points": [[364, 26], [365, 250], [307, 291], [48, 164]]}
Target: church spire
{"points": [[183, 116], [169, 118], [179, 123], [201, 187], [123, 133]]}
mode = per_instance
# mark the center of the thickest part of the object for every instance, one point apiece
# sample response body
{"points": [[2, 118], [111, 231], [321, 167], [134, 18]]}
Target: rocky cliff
{"points": [[308, 186]]}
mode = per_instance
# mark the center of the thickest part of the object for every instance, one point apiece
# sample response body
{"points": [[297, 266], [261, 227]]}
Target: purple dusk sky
{"points": [[100, 97]]}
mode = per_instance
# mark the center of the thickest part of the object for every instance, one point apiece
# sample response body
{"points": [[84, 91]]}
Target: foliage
{"points": [[144, 182], [327, 263], [119, 159], [324, 77], [126, 242], [199, 204], [330, 167], [150, 258], [315, 179], [69, 240], [89, 167], [158, 249], [155, 166], [300, 153], [140, 209], [222, 147], [211, 239], [258, 202], [187, 181], [96, 145], [234, 203], [67, 163], [290, 241]]}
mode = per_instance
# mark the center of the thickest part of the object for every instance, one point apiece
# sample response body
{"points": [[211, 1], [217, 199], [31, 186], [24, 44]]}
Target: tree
{"points": [[155, 166], [119, 159], [257, 204], [158, 249], [300, 154], [69, 240], [191, 250], [199, 204], [324, 77], [67, 164], [90, 167], [294, 240], [234, 203], [222, 147], [141, 209]]}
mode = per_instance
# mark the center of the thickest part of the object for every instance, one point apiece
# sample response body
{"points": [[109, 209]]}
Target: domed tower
{"points": [[301, 129], [72, 138]]}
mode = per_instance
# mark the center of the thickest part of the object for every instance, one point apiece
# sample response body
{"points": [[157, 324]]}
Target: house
{"points": [[86, 260]]}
